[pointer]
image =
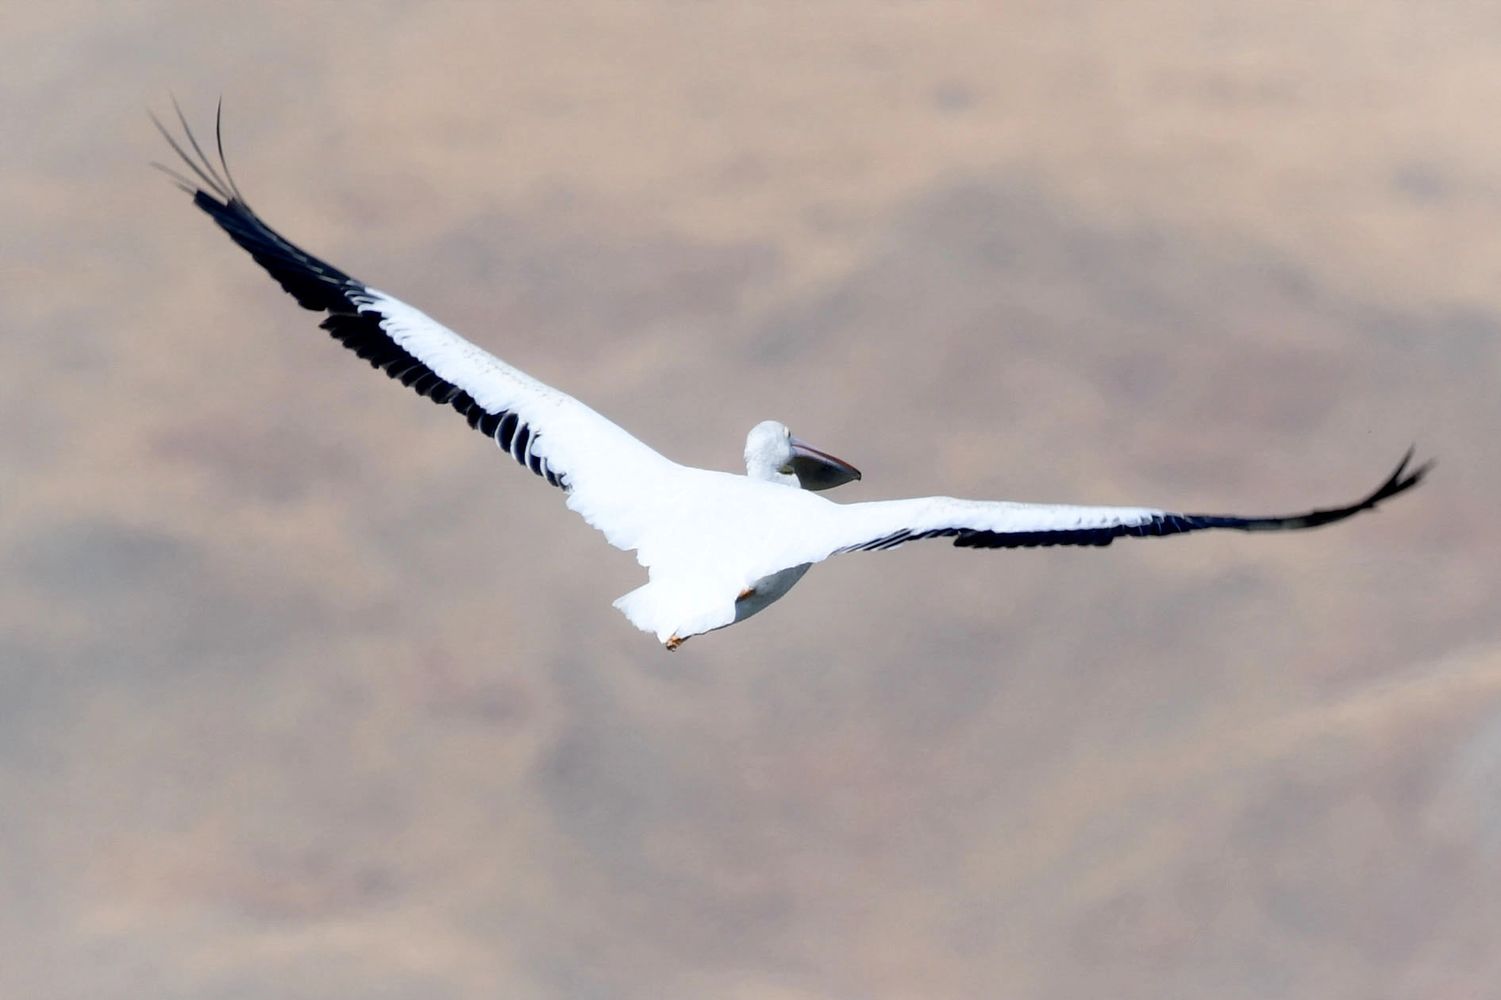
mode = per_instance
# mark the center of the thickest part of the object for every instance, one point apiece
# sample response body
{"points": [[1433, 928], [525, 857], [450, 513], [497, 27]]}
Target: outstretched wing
{"points": [[867, 527], [606, 471]]}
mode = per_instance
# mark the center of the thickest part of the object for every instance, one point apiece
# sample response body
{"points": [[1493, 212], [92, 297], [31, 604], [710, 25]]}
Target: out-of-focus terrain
{"points": [[304, 692]]}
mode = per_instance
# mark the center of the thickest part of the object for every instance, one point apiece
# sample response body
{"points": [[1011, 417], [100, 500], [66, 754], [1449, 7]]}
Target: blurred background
{"points": [[306, 692]]}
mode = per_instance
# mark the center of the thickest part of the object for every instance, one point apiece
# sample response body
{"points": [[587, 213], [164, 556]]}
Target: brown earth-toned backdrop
{"points": [[307, 693]]}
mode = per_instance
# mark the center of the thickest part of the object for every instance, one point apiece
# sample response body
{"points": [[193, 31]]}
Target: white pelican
{"points": [[717, 547]]}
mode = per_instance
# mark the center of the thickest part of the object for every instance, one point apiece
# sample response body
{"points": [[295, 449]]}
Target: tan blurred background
{"points": [[305, 692]]}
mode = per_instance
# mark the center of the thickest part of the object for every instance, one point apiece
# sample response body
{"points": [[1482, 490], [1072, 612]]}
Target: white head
{"points": [[774, 455]]}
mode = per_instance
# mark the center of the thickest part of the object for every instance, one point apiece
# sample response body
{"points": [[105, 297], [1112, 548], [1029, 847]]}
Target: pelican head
{"points": [[773, 454]]}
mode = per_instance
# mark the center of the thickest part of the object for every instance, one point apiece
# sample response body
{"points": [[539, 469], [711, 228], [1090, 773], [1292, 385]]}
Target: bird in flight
{"points": [[718, 547]]}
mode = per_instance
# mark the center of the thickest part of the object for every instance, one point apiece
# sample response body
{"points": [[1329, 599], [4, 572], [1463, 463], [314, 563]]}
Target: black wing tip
{"points": [[314, 283], [234, 188], [1401, 480], [215, 183]]}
